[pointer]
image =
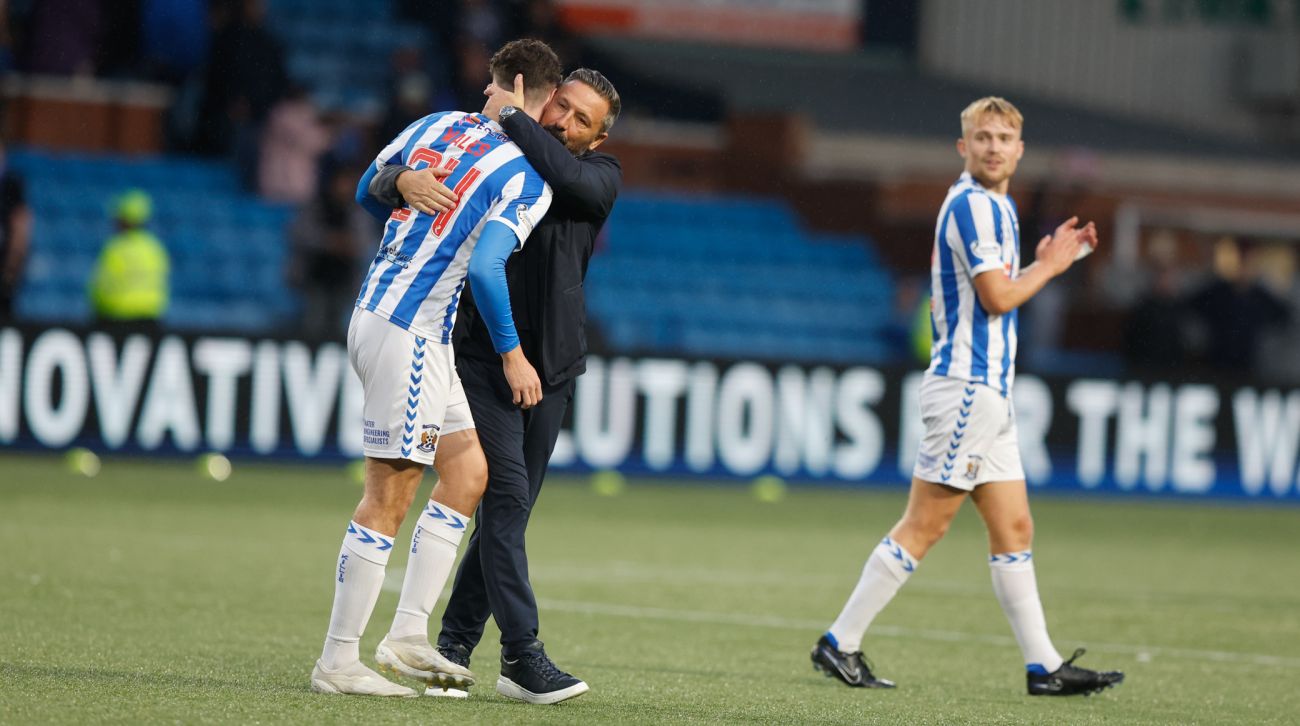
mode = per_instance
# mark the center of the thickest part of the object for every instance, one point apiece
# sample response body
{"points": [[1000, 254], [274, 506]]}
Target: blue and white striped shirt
{"points": [[419, 272], [977, 231]]}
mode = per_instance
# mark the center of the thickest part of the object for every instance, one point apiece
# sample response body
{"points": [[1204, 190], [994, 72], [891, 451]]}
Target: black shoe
{"points": [[1070, 679], [851, 668], [456, 653], [530, 676]]}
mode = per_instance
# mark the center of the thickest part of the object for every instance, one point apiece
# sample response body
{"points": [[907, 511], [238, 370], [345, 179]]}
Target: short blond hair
{"points": [[991, 105]]}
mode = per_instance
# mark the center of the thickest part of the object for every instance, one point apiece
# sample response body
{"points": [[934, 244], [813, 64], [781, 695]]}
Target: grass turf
{"points": [[148, 594]]}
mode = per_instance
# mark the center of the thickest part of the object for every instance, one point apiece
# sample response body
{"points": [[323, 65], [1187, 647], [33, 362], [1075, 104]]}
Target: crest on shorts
{"points": [[973, 467], [428, 438]]}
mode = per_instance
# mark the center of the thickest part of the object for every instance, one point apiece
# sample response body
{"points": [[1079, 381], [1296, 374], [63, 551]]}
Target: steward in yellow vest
{"points": [[130, 283]]}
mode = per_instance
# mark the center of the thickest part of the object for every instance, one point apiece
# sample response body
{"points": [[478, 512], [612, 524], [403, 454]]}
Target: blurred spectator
{"points": [[7, 62], [412, 94], [908, 332], [480, 22], [350, 142], [63, 36], [471, 71], [332, 240], [1154, 332], [291, 146], [468, 31], [119, 46], [1234, 310], [245, 77], [129, 288], [1042, 320], [15, 235], [539, 19], [479, 31], [175, 37], [411, 99]]}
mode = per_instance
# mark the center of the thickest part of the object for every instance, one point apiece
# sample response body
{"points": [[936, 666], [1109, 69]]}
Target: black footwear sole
{"points": [[1085, 693]]}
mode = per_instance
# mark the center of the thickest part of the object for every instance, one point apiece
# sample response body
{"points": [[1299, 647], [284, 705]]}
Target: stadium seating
{"points": [[723, 276], [341, 49], [227, 248], [731, 277]]}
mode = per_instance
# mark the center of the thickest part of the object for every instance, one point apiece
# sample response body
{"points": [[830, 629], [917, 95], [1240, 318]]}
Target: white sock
{"points": [[886, 570], [433, 553], [358, 577], [1017, 590]]}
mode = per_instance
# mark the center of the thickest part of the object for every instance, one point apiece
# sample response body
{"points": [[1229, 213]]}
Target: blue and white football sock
{"points": [[358, 576], [886, 570], [1017, 589], [434, 543]]}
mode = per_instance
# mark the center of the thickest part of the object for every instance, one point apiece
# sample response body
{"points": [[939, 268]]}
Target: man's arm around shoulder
{"points": [[590, 182]]}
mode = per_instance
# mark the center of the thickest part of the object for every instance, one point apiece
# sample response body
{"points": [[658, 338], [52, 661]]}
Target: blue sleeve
{"points": [[393, 153], [367, 202], [487, 278]]}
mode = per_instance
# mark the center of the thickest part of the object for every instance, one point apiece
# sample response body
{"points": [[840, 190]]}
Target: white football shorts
{"points": [[412, 392], [970, 435]]}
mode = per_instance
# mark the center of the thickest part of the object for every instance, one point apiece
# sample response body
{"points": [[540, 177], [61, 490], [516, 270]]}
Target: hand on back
{"points": [[424, 192]]}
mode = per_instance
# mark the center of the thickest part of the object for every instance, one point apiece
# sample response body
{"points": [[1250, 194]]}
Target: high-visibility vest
{"points": [[130, 281], [922, 335]]}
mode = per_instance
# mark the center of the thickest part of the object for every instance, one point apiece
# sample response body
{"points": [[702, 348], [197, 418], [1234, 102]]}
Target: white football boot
{"points": [[440, 692], [414, 657], [356, 680]]}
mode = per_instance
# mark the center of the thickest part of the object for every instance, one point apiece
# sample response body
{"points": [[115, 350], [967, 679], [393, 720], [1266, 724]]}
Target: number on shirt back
{"points": [[426, 158]]}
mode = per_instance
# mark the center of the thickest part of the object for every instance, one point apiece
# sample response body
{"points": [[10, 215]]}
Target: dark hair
{"points": [[601, 85], [533, 58]]}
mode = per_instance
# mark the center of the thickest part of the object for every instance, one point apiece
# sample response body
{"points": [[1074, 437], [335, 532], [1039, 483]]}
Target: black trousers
{"points": [[493, 576]]}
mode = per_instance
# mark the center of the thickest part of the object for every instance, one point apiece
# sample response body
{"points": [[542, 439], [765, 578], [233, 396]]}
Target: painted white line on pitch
{"points": [[394, 576], [1143, 652], [633, 572]]}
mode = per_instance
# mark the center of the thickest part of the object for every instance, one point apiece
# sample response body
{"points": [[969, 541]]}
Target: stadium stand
{"points": [[728, 277], [227, 247], [339, 48], [722, 276]]}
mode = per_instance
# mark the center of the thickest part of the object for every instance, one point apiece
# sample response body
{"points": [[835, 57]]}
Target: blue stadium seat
{"points": [[713, 276], [735, 277]]}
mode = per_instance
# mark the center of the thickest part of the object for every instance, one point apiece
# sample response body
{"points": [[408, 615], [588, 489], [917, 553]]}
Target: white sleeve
{"points": [[976, 241], [525, 198]]}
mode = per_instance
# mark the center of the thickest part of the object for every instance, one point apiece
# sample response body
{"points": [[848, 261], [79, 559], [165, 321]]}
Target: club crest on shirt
{"points": [[973, 466], [428, 438]]}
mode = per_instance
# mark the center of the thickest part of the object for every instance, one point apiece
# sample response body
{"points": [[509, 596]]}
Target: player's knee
{"points": [[1021, 529], [936, 528], [926, 530], [381, 513], [477, 482], [472, 479]]}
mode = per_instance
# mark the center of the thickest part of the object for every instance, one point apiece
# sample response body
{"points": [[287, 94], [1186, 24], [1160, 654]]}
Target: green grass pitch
{"points": [[148, 594]]}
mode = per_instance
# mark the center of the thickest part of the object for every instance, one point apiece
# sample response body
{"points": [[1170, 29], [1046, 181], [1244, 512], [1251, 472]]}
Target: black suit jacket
{"points": [[546, 277]]}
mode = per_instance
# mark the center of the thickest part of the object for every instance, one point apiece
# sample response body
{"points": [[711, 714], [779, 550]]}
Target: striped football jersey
{"points": [[977, 231], [419, 271]]}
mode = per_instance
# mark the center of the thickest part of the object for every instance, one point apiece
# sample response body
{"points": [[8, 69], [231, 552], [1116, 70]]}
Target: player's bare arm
{"points": [[1000, 294]]}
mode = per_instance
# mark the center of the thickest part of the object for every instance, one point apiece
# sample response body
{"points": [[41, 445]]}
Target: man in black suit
{"points": [[546, 293]]}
